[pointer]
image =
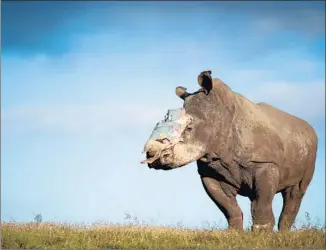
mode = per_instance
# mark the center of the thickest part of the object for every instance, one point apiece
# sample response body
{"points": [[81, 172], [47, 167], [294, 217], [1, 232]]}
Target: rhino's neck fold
{"points": [[184, 154]]}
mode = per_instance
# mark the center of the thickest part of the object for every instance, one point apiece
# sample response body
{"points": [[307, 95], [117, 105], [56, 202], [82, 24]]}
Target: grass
{"points": [[66, 236]]}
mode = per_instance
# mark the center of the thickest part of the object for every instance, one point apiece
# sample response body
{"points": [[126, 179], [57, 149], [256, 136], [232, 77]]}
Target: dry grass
{"points": [[59, 236]]}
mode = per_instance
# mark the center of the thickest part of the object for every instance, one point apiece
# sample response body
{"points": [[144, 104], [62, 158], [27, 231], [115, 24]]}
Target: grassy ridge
{"points": [[59, 236]]}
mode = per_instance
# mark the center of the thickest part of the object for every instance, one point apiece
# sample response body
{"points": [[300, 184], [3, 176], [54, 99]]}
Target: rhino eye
{"points": [[189, 128]]}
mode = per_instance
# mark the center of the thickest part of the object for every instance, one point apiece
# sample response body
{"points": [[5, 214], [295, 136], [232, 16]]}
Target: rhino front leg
{"points": [[265, 186], [226, 202]]}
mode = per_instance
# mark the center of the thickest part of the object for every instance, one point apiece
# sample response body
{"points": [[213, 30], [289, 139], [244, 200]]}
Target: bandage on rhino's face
{"points": [[185, 135]]}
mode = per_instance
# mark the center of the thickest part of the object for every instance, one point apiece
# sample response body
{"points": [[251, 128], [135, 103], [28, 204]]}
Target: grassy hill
{"points": [[59, 236]]}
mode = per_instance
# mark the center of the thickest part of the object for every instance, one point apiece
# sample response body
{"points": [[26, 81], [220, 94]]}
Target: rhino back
{"points": [[297, 135], [262, 133], [247, 134], [300, 145], [254, 137]]}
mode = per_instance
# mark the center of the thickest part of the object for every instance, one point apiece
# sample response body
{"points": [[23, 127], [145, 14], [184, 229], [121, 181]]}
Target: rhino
{"points": [[241, 148]]}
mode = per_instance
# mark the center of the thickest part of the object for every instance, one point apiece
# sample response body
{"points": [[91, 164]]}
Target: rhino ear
{"points": [[181, 92], [205, 81]]}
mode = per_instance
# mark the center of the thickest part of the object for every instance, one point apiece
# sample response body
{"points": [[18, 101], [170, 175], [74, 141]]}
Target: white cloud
{"points": [[309, 20], [79, 92], [306, 100], [70, 118]]}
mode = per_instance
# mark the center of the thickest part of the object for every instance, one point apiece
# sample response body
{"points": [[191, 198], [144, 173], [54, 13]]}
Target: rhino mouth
{"points": [[173, 154], [160, 158], [159, 164]]}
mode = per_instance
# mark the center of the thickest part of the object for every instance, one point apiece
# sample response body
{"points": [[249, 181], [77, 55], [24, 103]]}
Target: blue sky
{"points": [[83, 85]]}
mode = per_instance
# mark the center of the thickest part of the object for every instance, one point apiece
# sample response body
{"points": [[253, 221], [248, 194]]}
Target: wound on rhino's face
{"points": [[182, 137]]}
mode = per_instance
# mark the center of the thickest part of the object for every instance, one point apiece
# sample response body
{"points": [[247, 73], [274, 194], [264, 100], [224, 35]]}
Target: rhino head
{"points": [[190, 133]]}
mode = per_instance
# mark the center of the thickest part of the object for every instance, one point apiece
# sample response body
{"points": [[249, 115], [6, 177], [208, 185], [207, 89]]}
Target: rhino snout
{"points": [[156, 150]]}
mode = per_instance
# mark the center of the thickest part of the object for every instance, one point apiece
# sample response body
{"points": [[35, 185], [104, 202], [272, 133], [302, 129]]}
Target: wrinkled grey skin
{"points": [[247, 149]]}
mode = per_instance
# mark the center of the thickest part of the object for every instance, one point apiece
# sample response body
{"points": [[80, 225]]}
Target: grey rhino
{"points": [[251, 149]]}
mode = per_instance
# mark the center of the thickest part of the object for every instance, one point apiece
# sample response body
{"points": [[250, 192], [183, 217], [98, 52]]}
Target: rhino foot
{"points": [[260, 228]]}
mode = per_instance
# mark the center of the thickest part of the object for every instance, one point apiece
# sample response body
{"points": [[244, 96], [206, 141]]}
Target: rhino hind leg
{"points": [[265, 186], [226, 202], [292, 197]]}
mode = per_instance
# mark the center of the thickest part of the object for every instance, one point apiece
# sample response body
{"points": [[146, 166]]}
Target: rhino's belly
{"points": [[256, 141], [291, 160], [294, 165], [290, 175]]}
